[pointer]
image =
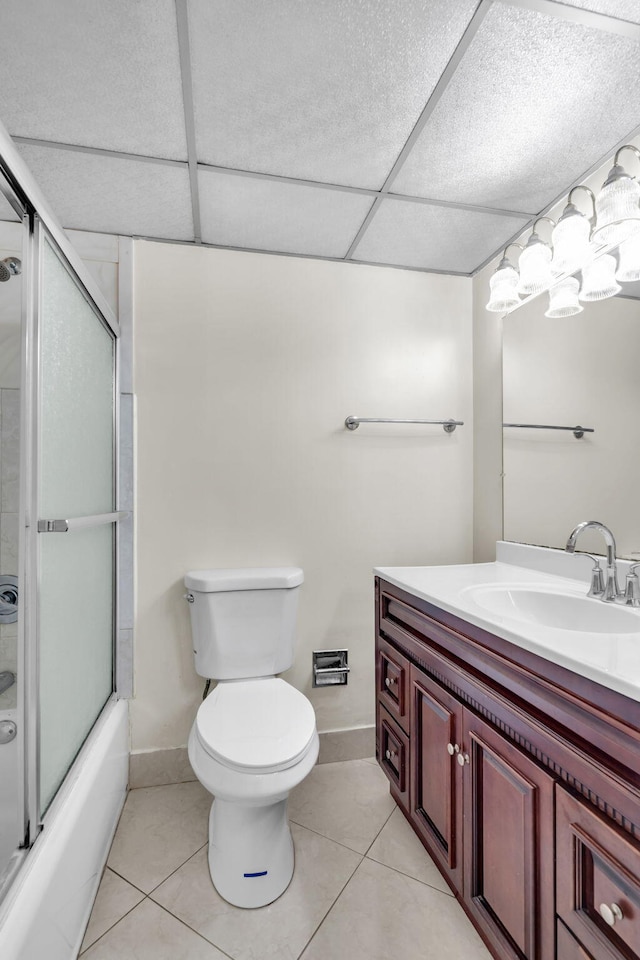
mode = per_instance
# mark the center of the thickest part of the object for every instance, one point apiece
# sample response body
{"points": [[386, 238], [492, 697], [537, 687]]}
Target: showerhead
{"points": [[9, 267]]}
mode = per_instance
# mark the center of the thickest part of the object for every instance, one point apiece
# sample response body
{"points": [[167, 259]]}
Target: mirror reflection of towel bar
{"points": [[577, 431], [352, 423]]}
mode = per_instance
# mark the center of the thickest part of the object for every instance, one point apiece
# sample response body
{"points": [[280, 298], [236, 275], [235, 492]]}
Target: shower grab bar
{"points": [[79, 523], [352, 423], [577, 431]]}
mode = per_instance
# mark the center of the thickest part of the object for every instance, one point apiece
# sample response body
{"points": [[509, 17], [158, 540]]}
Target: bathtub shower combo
{"points": [[63, 730]]}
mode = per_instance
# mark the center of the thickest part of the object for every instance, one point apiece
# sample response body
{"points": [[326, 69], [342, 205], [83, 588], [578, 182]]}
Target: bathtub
{"points": [[47, 908], [9, 815]]}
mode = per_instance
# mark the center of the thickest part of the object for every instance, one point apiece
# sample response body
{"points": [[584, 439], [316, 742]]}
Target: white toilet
{"points": [[254, 737]]}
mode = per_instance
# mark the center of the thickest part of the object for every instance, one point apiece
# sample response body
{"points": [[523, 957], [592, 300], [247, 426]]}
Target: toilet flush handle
{"points": [[189, 597]]}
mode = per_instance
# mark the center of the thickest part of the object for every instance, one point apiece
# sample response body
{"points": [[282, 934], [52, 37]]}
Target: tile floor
{"points": [[363, 887]]}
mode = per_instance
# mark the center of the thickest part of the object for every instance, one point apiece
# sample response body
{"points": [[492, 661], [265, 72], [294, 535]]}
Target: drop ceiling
{"points": [[416, 133]]}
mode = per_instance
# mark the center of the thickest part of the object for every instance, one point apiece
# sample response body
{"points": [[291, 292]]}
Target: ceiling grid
{"points": [[306, 99]]}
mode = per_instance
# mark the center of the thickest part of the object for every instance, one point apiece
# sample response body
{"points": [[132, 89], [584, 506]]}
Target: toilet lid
{"points": [[256, 725]]}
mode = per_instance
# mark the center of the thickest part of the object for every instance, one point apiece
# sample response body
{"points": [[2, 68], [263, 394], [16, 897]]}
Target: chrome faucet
{"points": [[611, 591]]}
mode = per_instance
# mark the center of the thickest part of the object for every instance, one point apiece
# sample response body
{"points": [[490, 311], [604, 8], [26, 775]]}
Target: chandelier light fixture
{"points": [[535, 262], [618, 203], [563, 299], [503, 285], [579, 244]]}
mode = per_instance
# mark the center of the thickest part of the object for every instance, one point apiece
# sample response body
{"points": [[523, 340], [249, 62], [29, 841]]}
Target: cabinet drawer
{"points": [[597, 878], [392, 681], [393, 755]]}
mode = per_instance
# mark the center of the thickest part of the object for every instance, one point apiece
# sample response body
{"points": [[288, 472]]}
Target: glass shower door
{"points": [[76, 519]]}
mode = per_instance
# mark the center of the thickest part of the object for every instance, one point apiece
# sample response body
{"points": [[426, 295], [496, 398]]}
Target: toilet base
{"points": [[250, 852]]}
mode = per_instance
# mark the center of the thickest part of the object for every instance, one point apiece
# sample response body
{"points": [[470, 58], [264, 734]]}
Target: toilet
{"points": [[254, 737]]}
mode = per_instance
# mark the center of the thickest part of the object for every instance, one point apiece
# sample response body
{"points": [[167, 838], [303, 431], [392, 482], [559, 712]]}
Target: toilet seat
{"points": [[256, 726]]}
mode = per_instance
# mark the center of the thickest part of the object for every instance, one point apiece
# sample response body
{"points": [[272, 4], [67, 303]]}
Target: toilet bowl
{"points": [[254, 738], [251, 743]]}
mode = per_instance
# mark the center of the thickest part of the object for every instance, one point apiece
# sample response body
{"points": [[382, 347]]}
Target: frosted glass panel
{"points": [[76, 409], [76, 642]]}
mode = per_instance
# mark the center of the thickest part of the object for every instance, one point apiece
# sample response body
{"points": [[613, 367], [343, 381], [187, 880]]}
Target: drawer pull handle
{"points": [[391, 754], [389, 681], [452, 749], [463, 758], [610, 913]]}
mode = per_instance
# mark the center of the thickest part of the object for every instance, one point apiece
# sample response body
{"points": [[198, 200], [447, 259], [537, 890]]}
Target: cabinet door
{"points": [[598, 879], [508, 843], [436, 799]]}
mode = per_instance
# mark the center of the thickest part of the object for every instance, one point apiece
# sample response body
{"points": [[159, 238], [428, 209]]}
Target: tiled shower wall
{"points": [[9, 492]]}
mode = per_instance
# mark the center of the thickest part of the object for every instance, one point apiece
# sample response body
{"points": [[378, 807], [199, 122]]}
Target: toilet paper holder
{"points": [[330, 668]]}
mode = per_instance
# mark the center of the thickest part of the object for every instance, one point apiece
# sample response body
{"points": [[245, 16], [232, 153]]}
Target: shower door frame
{"points": [[40, 223]]}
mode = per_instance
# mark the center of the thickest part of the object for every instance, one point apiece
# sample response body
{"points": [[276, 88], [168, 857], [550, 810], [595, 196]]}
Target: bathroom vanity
{"points": [[517, 768]]}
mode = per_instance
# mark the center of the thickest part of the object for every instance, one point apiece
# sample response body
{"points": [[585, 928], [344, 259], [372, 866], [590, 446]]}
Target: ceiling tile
{"points": [[113, 195], [434, 238], [621, 9], [262, 214], [325, 90], [535, 102], [94, 73]]}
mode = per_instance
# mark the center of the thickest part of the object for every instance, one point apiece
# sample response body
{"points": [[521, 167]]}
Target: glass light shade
{"points": [[504, 288], [570, 239], [617, 208], [599, 279], [629, 260], [563, 299], [535, 266]]}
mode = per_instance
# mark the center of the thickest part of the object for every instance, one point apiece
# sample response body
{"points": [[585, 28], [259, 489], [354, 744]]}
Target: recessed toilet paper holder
{"points": [[330, 668]]}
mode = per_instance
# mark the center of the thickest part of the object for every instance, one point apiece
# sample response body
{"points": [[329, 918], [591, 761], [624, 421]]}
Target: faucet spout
{"points": [[612, 590]]}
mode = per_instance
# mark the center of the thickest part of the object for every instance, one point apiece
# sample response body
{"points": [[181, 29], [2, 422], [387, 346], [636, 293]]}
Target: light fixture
{"points": [[503, 285], [571, 236], [599, 279], [618, 204], [629, 260], [563, 299], [535, 263]]}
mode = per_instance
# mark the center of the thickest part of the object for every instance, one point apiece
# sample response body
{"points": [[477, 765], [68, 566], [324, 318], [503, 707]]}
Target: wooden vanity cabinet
{"points": [[521, 779]]}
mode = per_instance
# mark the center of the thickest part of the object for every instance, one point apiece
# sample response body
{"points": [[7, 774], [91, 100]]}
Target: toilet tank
{"points": [[243, 620]]}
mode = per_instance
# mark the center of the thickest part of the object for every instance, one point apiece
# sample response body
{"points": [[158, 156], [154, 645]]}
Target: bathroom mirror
{"points": [[580, 370]]}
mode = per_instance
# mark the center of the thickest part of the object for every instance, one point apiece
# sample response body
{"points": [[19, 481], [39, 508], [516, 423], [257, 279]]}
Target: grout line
{"points": [[182, 17], [202, 937], [395, 807], [178, 868], [325, 837], [93, 943], [409, 876], [339, 894], [126, 880]]}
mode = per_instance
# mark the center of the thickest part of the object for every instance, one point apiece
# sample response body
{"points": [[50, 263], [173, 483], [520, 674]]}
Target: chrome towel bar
{"points": [[352, 423], [577, 431]]}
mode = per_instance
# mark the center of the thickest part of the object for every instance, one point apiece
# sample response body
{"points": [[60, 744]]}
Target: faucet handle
{"points": [[631, 596], [597, 578]]}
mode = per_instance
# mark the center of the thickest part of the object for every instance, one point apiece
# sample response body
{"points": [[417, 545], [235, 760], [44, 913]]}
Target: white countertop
{"points": [[610, 659]]}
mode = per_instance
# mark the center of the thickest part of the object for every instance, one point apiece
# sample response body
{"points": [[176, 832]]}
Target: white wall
{"points": [[246, 366]]}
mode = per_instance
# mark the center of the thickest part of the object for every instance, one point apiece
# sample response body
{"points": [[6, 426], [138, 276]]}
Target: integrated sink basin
{"points": [[554, 608]]}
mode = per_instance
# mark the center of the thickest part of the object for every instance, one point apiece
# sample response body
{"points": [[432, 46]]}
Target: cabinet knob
{"points": [[463, 758], [610, 913], [390, 754], [389, 681], [452, 749]]}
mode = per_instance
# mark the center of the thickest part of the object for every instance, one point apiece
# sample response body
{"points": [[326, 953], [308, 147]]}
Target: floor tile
{"points": [[115, 898], [383, 914], [159, 829], [279, 930], [348, 802], [397, 846], [150, 933]]}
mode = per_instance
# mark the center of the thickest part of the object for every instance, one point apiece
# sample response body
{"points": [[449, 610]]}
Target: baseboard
{"points": [[154, 768]]}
